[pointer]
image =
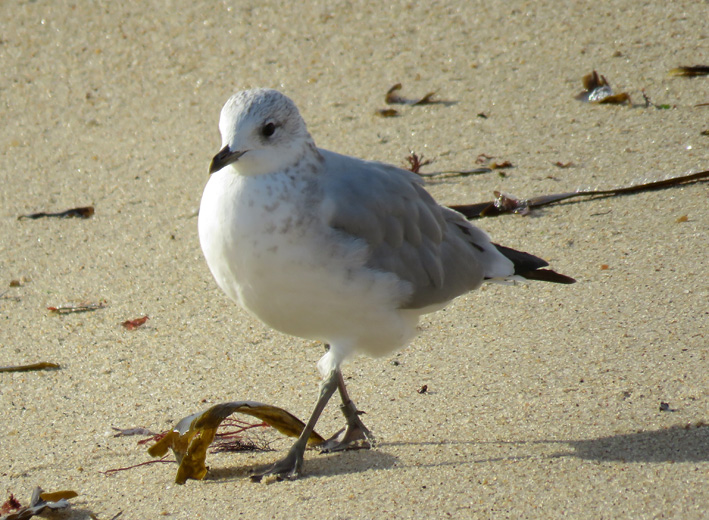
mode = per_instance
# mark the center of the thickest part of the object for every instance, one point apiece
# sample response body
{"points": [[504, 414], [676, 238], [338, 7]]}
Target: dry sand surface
{"points": [[543, 400]]}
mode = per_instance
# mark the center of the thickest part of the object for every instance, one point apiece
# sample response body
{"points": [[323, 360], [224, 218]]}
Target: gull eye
{"points": [[268, 129]]}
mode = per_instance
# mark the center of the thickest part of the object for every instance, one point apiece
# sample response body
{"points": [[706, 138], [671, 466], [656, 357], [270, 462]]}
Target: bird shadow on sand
{"points": [[323, 465], [678, 443], [674, 444]]}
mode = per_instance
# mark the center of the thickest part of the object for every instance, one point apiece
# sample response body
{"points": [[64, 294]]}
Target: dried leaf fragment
{"points": [[425, 100], [58, 495], [683, 218], [29, 368], [192, 436], [500, 165], [134, 324], [393, 98], [39, 502], [81, 212], [598, 90], [387, 112], [596, 87], [615, 99], [696, 70]]}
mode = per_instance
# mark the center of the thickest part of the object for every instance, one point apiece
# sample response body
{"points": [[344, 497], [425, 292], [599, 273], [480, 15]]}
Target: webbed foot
{"points": [[288, 467], [356, 436]]}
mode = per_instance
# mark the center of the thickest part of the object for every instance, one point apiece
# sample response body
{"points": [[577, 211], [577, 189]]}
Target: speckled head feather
{"points": [[262, 132]]}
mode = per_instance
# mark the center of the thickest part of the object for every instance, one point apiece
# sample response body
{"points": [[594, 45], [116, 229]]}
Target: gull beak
{"points": [[224, 158]]}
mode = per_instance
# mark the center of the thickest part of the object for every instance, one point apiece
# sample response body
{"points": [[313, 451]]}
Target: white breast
{"points": [[269, 249]]}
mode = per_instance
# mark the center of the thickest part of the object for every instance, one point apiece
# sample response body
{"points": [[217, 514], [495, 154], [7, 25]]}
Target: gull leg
{"points": [[290, 466], [357, 435]]}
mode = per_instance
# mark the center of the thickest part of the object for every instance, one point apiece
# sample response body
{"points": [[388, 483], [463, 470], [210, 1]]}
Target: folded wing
{"points": [[432, 247]]}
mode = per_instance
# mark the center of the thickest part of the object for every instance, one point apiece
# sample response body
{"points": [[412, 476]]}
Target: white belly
{"points": [[269, 251]]}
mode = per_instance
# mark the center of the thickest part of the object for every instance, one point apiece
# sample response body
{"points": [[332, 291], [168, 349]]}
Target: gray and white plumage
{"points": [[330, 247]]}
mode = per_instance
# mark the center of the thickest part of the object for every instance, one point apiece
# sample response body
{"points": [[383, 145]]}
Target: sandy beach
{"points": [[543, 401]]}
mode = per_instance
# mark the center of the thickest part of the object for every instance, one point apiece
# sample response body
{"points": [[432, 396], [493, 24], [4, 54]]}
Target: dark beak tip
{"points": [[213, 167], [223, 158]]}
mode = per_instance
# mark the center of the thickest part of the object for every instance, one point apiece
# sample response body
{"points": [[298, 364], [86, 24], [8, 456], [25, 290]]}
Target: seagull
{"points": [[332, 248]]}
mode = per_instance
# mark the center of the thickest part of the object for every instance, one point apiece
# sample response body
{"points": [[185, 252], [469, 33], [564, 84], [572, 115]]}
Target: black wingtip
{"points": [[530, 266], [547, 275]]}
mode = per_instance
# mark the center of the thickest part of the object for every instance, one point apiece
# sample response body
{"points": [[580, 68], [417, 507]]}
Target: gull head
{"points": [[262, 132]]}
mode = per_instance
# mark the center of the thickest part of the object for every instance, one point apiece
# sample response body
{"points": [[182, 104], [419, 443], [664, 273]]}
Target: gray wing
{"points": [[434, 248]]}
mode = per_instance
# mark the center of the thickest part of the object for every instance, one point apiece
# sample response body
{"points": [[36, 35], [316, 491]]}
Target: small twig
{"points": [[83, 212], [68, 308], [29, 368], [125, 432], [506, 204], [416, 162], [456, 173]]}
